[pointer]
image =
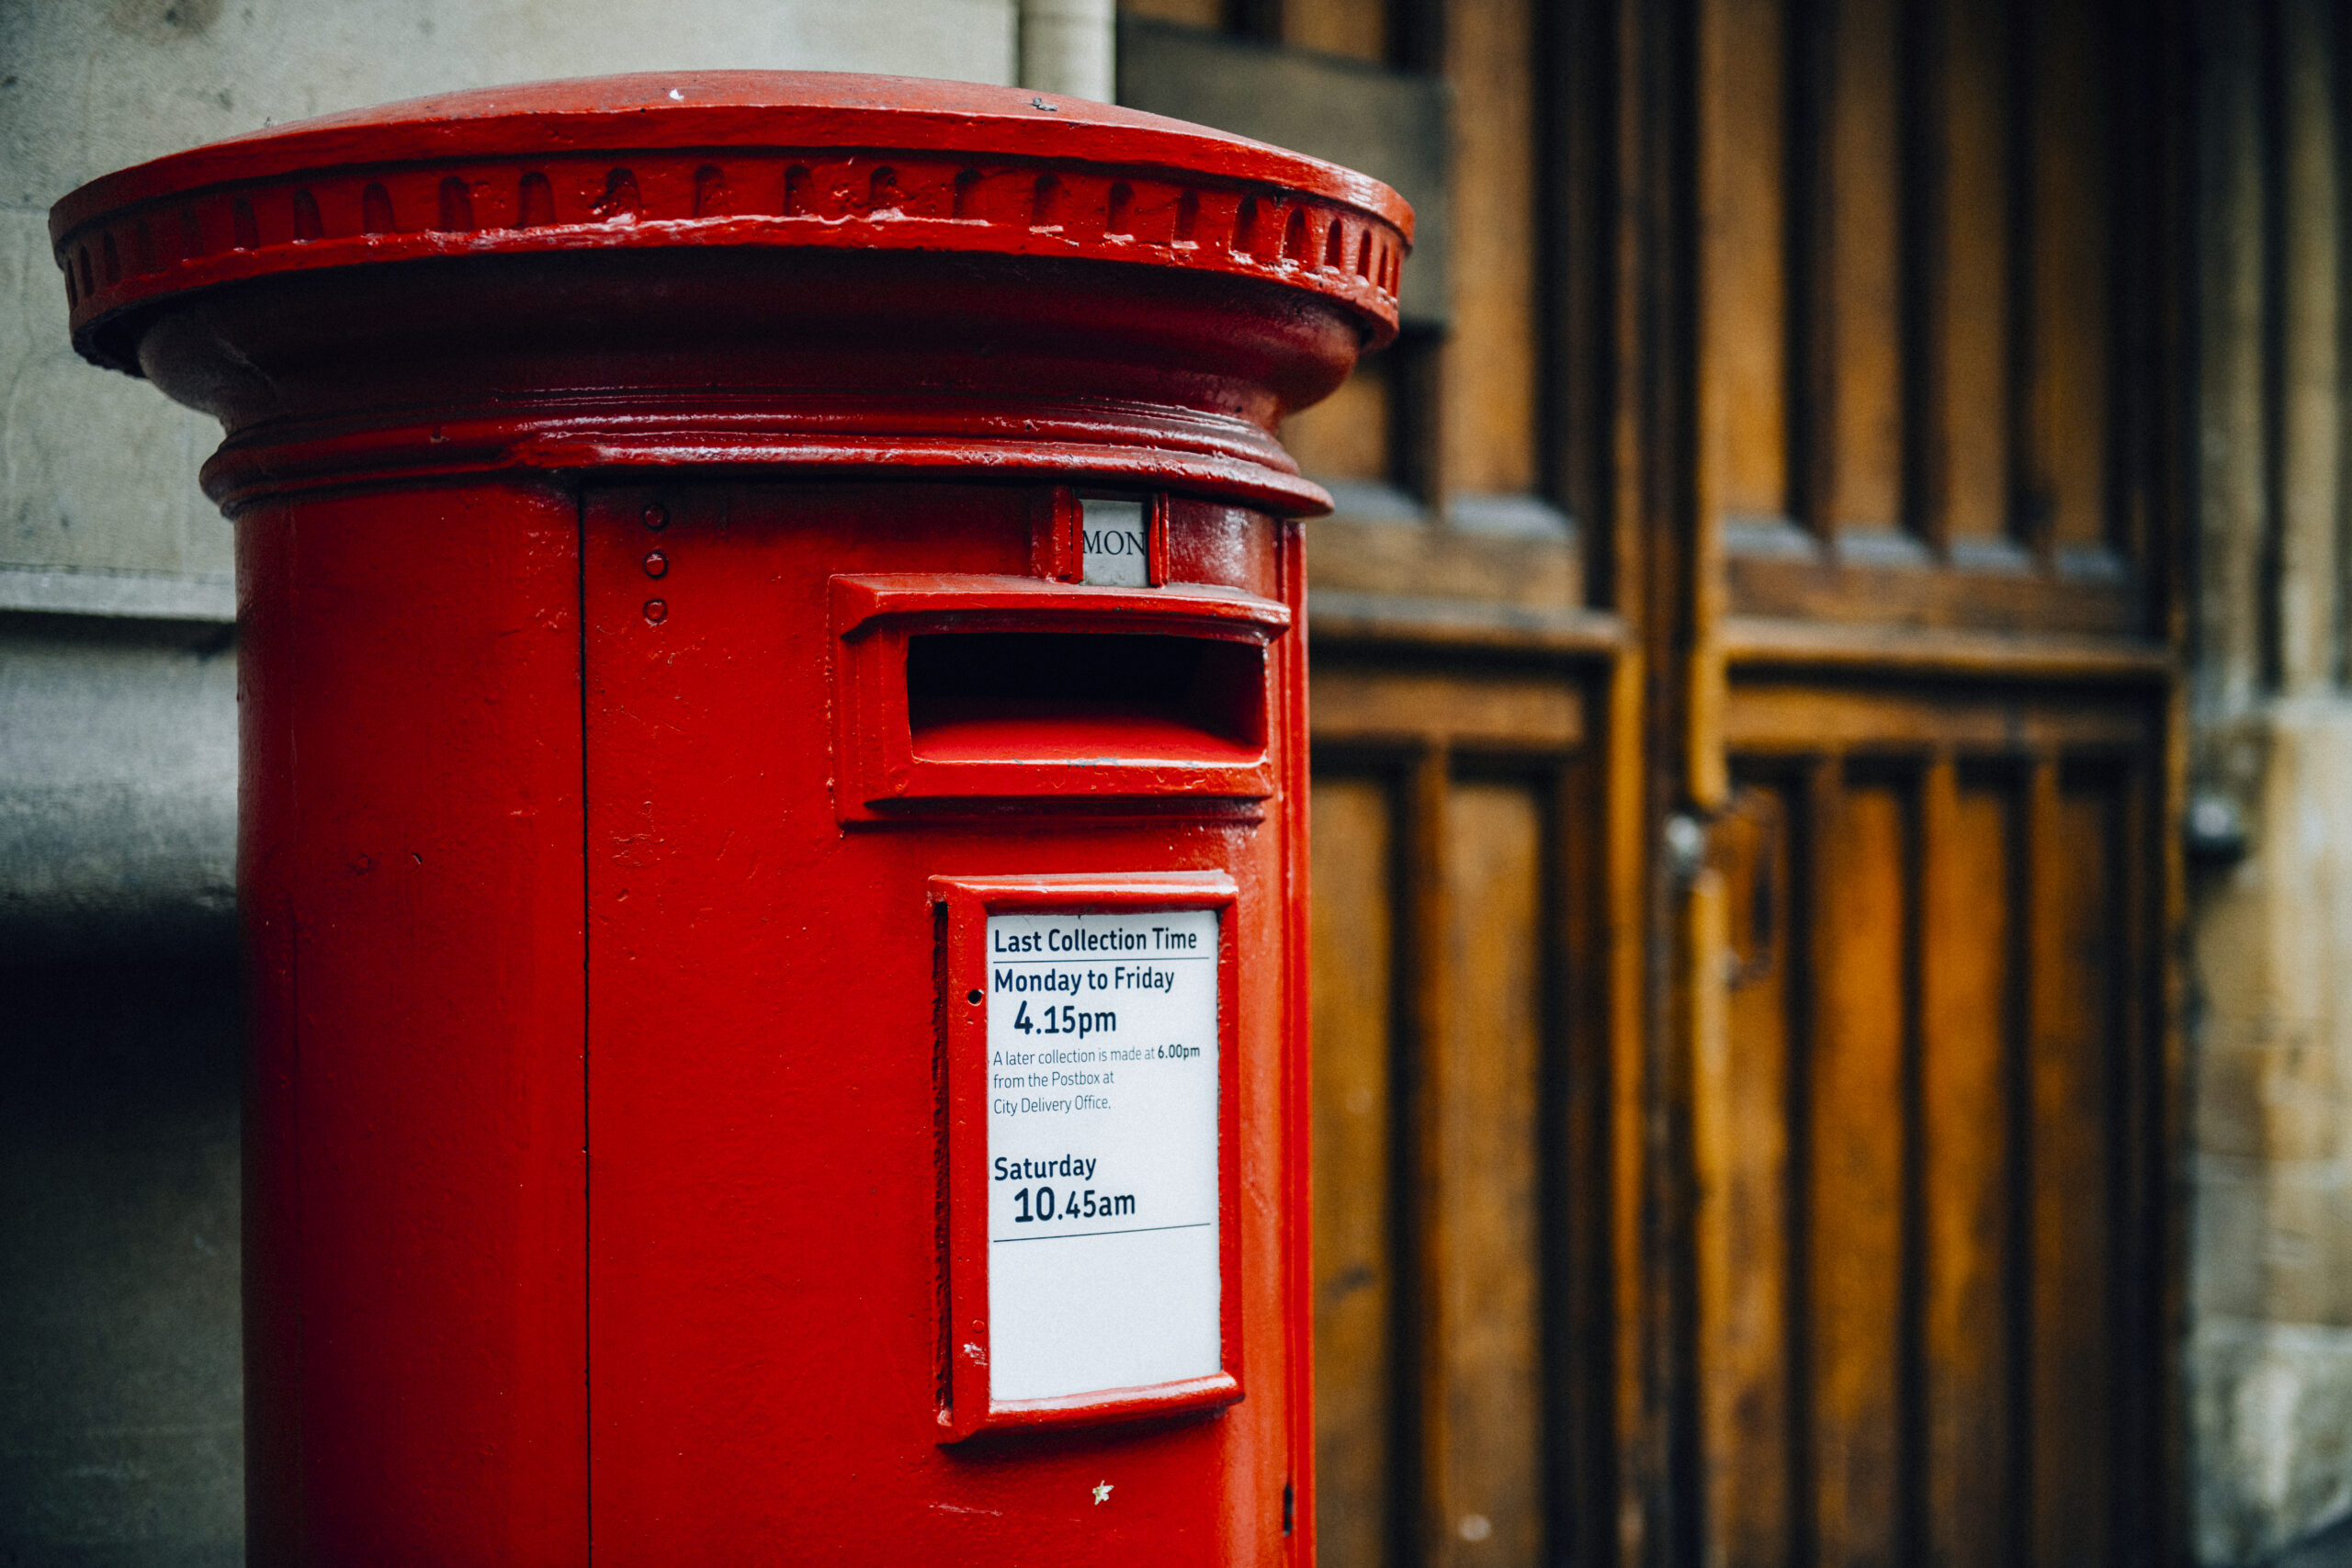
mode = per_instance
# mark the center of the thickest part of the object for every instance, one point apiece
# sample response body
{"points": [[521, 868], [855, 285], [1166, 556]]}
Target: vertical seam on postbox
{"points": [[587, 1003]]}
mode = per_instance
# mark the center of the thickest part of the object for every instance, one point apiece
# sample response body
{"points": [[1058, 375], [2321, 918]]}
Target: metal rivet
{"points": [[657, 516], [656, 564], [657, 610]]}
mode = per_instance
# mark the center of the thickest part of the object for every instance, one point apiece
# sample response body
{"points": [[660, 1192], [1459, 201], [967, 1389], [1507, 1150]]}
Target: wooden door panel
{"points": [[2074, 956], [1964, 492], [1743, 377], [1446, 1277], [1910, 1152], [1354, 30], [1356, 1277], [1969, 870], [1482, 1235], [1923, 626], [1853, 1102], [1774, 718], [2068, 435], [1854, 292], [1741, 1150], [1488, 439], [1911, 261]]}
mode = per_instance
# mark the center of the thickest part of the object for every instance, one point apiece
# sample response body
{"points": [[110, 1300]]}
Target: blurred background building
{"points": [[1833, 761]]}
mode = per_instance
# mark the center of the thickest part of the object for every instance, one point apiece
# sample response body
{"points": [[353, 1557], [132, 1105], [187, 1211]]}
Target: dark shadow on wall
{"points": [[121, 1380], [2331, 1548]]}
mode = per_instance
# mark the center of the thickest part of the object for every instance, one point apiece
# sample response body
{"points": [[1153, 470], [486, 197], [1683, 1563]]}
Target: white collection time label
{"points": [[1103, 1151]]}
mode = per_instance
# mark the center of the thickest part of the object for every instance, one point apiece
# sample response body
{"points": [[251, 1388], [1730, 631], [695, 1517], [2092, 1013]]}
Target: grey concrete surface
{"points": [[118, 784]]}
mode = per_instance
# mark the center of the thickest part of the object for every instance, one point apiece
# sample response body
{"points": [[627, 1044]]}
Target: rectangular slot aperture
{"points": [[1085, 697], [956, 694]]}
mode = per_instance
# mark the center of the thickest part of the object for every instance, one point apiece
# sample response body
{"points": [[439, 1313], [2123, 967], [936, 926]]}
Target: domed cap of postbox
{"points": [[816, 160]]}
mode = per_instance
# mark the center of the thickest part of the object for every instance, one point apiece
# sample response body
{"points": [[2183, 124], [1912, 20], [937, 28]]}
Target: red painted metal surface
{"points": [[412, 888], [634, 480]]}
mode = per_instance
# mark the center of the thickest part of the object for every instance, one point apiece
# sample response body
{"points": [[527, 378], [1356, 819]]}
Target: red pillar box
{"points": [[773, 827]]}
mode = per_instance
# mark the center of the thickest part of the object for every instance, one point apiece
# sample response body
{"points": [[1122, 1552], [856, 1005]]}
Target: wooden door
{"points": [[1932, 665], [1746, 724]]}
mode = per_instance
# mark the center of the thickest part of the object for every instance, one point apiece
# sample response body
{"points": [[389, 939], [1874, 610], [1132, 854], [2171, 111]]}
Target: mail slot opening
{"points": [[1064, 697]]}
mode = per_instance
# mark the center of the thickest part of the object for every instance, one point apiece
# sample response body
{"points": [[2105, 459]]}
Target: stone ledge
{"points": [[134, 595]]}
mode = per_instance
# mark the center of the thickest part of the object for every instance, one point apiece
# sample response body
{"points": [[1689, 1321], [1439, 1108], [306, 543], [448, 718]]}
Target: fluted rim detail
{"points": [[740, 159]]}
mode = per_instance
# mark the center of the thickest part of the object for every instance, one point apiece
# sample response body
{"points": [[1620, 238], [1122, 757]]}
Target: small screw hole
{"points": [[975, 999]]}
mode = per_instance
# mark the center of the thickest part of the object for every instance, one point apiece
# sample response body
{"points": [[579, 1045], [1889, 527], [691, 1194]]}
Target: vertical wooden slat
{"points": [[1743, 304], [1629, 1426], [1967, 838], [1970, 320], [1854, 1189], [1487, 416], [2142, 1509], [1356, 28], [2068, 393], [1348, 435], [1489, 1349], [1649, 445], [1580, 1473], [1743, 308], [2070, 1003], [1424, 1434], [1354, 934], [1858, 328], [1572, 48], [1740, 1150]]}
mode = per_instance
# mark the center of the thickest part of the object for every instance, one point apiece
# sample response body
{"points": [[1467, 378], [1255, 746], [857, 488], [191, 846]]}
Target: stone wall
{"points": [[2270, 1163]]}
